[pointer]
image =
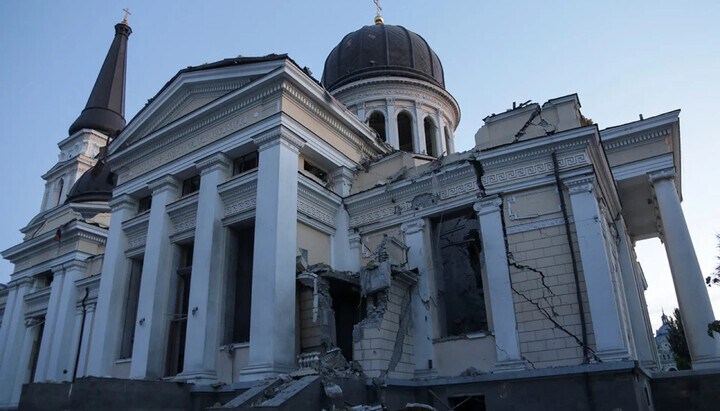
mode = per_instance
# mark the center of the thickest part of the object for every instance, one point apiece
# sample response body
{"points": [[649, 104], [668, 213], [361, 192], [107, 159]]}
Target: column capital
{"points": [[580, 185], [217, 161], [163, 183], [27, 281], [31, 322], [123, 201], [58, 269], [277, 136], [390, 101], [488, 205], [668, 174], [355, 240], [418, 104], [76, 265], [413, 226]]}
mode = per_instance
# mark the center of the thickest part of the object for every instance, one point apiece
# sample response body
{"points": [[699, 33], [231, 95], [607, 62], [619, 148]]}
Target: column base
{"points": [[509, 365], [712, 363], [262, 371], [199, 378], [425, 374], [613, 355]]}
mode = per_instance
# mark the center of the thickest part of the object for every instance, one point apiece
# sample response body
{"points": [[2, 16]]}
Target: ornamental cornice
{"points": [[516, 153], [217, 161], [488, 205], [667, 174], [531, 170], [634, 139], [226, 118], [183, 213], [319, 205], [238, 194], [360, 144]]}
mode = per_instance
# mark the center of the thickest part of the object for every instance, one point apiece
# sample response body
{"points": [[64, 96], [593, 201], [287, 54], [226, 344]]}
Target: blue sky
{"points": [[622, 58]]}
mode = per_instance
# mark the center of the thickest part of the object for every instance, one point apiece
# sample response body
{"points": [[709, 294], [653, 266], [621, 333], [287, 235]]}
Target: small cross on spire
{"points": [[127, 13], [378, 17]]}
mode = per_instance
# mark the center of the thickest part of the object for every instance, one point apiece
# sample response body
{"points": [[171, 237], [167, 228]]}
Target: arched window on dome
{"points": [[446, 134], [57, 195], [405, 131], [430, 137], [376, 121]]}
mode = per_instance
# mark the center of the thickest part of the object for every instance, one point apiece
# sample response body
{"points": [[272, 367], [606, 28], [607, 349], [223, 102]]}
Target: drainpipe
{"points": [[82, 328]]}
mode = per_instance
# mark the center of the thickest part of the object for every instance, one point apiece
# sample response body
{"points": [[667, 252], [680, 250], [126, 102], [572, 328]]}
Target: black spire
{"points": [[105, 109]]}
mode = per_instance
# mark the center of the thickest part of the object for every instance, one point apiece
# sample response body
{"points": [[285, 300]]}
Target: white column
{"points": [[63, 350], [417, 239], [392, 128], [11, 365], [148, 355], [361, 111], [23, 373], [7, 318], [499, 287], [272, 318], [203, 326], [419, 134], [43, 371], [341, 257], [85, 340], [641, 338], [111, 296], [609, 338], [439, 140], [690, 288], [355, 250]]}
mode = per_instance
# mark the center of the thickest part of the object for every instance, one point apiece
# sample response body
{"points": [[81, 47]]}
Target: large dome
{"points": [[381, 50], [95, 185]]}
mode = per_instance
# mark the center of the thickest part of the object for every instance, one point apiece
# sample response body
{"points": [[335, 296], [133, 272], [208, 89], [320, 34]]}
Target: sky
{"points": [[622, 58]]}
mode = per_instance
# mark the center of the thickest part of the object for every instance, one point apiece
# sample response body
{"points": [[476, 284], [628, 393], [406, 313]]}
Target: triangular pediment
{"points": [[189, 91]]}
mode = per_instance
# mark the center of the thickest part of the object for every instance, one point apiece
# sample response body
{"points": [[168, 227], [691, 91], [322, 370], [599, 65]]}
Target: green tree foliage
{"points": [[677, 341]]}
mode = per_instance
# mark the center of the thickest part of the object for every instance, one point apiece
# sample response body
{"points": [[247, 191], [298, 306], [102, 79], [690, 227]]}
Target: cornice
{"points": [[665, 119], [71, 232], [623, 141]]}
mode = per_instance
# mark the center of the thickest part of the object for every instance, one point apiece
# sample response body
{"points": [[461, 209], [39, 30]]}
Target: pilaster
{"points": [[392, 128], [417, 240], [695, 308], [149, 344], [419, 130], [610, 340], [203, 324], [115, 271], [499, 287], [272, 319], [341, 257]]}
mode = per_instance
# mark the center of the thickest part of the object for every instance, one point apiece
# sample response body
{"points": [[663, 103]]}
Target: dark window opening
{"points": [[377, 123], [131, 306], [144, 204], [467, 403], [460, 274], [347, 308], [239, 284], [246, 163], [404, 125], [43, 280], [314, 170], [430, 137], [178, 319], [191, 185]]}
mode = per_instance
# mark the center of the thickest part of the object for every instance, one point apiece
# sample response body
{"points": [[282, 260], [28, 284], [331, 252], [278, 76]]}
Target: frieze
{"points": [[316, 213], [531, 170], [183, 213], [240, 206], [635, 139]]}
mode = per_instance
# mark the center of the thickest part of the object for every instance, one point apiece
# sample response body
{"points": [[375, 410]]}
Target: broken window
{"points": [[376, 121], [178, 319], [43, 280], [461, 290], [239, 283], [314, 170], [430, 134], [131, 306], [245, 163], [405, 131]]}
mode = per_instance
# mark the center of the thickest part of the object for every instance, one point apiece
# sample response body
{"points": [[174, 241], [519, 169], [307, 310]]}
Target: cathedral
{"points": [[255, 237]]}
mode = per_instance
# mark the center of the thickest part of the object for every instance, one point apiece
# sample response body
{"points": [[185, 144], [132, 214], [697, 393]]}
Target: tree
{"points": [[714, 278], [677, 341]]}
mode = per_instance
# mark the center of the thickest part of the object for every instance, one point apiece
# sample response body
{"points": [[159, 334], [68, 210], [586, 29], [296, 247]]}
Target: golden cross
{"points": [[127, 13], [377, 3]]}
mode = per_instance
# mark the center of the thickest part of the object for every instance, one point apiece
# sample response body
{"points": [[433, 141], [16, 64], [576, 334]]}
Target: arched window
{"points": [[447, 140], [404, 125], [376, 121], [430, 140], [58, 191]]}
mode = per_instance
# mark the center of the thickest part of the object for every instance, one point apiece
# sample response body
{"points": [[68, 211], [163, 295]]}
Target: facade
{"points": [[251, 221]]}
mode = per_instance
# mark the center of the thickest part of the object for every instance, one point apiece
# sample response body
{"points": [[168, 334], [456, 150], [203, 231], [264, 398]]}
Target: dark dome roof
{"points": [[95, 185], [382, 50]]}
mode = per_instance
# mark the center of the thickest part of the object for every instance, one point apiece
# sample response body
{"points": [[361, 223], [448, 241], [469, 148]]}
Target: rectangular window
{"points": [[43, 280], [460, 281], [131, 307], [239, 284], [191, 185], [245, 163], [178, 319], [314, 170], [144, 204]]}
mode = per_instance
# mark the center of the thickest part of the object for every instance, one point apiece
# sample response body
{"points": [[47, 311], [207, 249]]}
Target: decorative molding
{"points": [[136, 230], [584, 184], [412, 227], [488, 205], [630, 140], [532, 170], [121, 202], [163, 183], [183, 213], [536, 225], [460, 189], [279, 135], [217, 161], [667, 174], [238, 194]]}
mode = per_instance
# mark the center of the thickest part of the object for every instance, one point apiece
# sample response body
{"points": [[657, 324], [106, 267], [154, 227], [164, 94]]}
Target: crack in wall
{"points": [[404, 325]]}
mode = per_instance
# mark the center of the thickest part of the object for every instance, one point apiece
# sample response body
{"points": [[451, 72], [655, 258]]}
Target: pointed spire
{"points": [[105, 109]]}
